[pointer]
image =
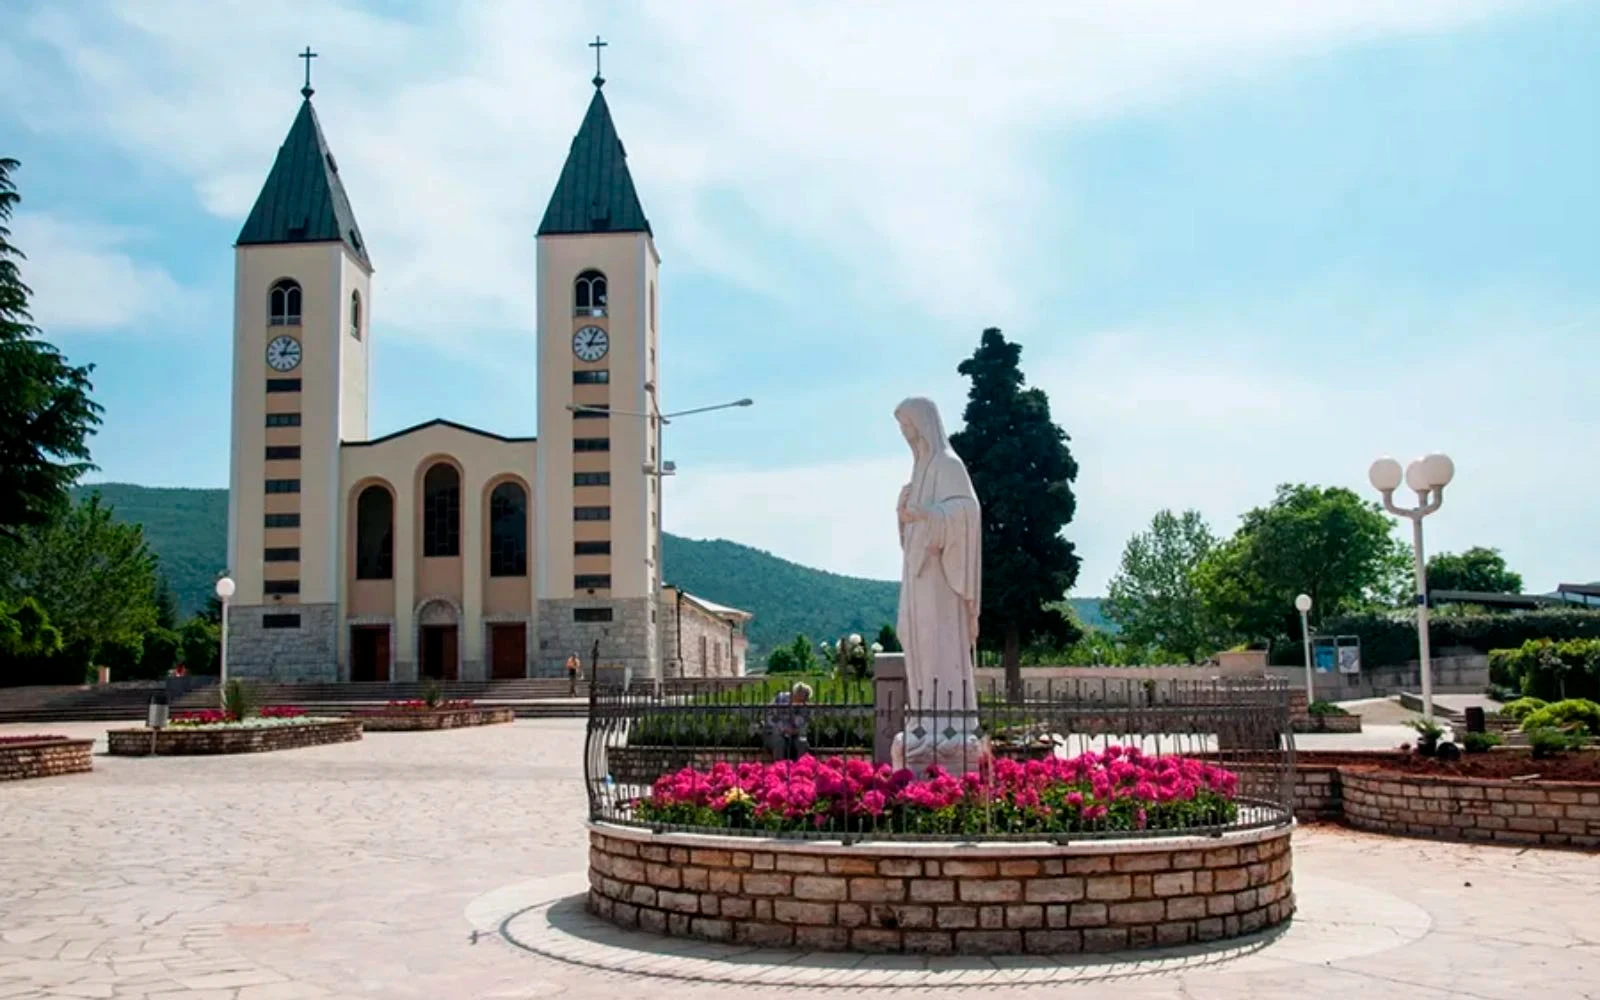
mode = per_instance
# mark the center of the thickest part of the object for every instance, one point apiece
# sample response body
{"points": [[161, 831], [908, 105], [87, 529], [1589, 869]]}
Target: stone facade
{"points": [[626, 641], [45, 758], [1551, 813], [698, 643], [941, 898], [408, 722], [307, 653], [183, 741]]}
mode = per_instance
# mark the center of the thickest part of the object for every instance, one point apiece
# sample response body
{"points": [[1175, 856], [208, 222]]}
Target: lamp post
{"points": [[1427, 477], [225, 590], [653, 471], [1302, 604]]}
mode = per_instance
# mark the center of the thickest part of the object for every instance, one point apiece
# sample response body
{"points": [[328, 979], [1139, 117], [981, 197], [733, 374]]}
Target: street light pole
{"points": [[1427, 477], [225, 589], [654, 470], [1302, 604]]}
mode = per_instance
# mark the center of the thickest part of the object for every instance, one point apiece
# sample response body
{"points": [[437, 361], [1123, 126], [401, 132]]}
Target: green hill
{"points": [[188, 529]]}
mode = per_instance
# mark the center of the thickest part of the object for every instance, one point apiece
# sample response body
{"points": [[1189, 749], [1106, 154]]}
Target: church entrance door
{"points": [[508, 651], [438, 652], [369, 652]]}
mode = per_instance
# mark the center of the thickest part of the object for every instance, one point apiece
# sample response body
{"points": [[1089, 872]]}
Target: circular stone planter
{"points": [[1438, 807], [184, 740], [942, 898], [45, 757], [410, 722]]}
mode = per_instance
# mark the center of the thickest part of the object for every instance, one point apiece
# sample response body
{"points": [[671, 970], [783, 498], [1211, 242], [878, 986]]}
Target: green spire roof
{"points": [[303, 200], [595, 193]]}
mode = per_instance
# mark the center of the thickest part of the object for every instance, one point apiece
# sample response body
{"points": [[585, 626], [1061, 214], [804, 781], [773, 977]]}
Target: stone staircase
{"points": [[85, 703], [532, 697]]}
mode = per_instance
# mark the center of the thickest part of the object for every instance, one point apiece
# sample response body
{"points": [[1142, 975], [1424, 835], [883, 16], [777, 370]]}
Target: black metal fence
{"points": [[1077, 759]]}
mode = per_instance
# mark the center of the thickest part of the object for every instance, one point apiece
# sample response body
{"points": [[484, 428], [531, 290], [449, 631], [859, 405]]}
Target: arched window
{"points": [[355, 315], [589, 294], [441, 511], [508, 531], [283, 303], [375, 534]]}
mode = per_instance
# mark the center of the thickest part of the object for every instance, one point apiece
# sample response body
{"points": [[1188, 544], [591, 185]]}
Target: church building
{"points": [[442, 550]]}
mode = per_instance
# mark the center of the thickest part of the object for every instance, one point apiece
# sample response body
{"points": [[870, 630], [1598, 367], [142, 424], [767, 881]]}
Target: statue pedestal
{"points": [[889, 703]]}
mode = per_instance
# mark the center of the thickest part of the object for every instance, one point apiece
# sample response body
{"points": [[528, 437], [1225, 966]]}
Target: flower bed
{"points": [[43, 756], [253, 735], [417, 720], [945, 897], [1410, 802], [217, 717], [1118, 791]]}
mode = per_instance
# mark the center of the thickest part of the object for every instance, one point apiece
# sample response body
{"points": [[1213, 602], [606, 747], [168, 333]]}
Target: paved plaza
{"points": [[446, 865]]}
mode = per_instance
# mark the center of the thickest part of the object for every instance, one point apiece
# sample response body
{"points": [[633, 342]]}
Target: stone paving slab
{"points": [[387, 868]]}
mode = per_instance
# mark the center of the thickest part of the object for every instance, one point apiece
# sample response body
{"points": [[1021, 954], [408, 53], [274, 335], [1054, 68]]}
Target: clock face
{"points": [[590, 344], [283, 354]]}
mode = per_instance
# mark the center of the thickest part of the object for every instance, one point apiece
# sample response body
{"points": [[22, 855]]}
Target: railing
{"points": [[1080, 759]]}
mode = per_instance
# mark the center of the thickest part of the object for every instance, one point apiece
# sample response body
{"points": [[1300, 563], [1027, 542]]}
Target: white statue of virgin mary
{"points": [[941, 540]]}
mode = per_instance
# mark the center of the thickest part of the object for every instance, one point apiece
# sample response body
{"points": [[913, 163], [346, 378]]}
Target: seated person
{"points": [[786, 724]]}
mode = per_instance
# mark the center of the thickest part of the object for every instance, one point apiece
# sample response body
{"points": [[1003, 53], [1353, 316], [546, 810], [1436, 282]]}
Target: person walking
{"points": [[573, 666]]}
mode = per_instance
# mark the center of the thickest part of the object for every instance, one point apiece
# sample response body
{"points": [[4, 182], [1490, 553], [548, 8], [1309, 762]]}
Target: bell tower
{"points": [[598, 507], [302, 298]]}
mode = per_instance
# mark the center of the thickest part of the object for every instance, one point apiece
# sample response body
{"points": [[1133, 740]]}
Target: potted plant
{"points": [[1429, 733]]}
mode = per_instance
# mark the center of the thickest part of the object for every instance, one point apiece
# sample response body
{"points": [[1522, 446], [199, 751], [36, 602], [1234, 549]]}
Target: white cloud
{"points": [[1155, 427], [895, 139], [84, 279]]}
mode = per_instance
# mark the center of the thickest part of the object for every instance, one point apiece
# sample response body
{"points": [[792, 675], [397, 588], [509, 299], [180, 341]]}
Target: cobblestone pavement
{"points": [[442, 865]]}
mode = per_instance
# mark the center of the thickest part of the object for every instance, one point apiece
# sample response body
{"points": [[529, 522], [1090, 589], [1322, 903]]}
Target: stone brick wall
{"points": [[625, 641], [941, 898], [710, 646], [1556, 813], [185, 741], [400, 722], [45, 758], [307, 653]]}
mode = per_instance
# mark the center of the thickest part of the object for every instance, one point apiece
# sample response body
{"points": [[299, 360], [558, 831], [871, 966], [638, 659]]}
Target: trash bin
{"points": [[156, 718], [1475, 723]]}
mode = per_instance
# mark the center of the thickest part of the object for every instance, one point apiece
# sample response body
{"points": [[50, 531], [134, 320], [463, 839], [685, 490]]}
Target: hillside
{"points": [[188, 529]]}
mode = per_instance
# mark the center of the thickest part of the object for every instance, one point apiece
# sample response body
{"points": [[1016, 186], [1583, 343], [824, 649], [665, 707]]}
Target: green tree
{"points": [[93, 576], [1023, 472], [781, 661], [1154, 599], [889, 640], [1477, 569], [1322, 541], [166, 604], [46, 414], [200, 642], [26, 632]]}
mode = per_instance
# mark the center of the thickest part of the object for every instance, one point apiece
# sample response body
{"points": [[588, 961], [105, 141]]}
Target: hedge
{"points": [[1549, 670], [1390, 638]]}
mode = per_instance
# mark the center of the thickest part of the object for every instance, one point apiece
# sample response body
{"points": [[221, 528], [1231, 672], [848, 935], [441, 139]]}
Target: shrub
{"points": [[432, 693], [1520, 709], [1548, 741], [238, 700], [1572, 714], [1320, 707], [1480, 742], [1549, 669]]}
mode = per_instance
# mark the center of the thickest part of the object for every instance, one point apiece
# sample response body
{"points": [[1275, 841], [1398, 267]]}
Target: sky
{"points": [[1242, 243]]}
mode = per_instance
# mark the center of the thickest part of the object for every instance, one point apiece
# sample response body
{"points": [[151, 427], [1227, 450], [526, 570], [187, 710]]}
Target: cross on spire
{"points": [[597, 45], [307, 55]]}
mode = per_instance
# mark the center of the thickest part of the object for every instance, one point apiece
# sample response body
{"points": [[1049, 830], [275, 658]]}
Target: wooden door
{"points": [[508, 651], [447, 652], [380, 653]]}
